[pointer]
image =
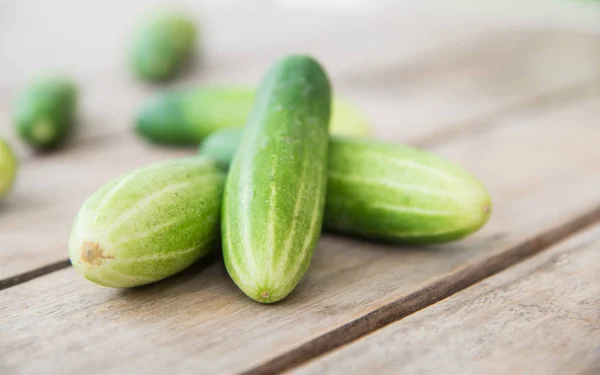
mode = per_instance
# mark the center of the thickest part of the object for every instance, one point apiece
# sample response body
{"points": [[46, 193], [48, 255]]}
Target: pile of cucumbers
{"points": [[276, 166], [266, 191]]}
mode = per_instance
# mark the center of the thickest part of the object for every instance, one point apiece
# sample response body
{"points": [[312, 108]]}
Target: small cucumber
{"points": [[162, 45], [389, 192], [45, 112], [149, 223], [186, 118], [275, 190], [8, 168]]}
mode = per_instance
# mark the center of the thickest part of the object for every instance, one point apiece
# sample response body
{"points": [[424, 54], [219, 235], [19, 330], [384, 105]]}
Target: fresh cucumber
{"points": [[149, 223], [187, 117], [275, 190], [387, 191], [162, 44]]}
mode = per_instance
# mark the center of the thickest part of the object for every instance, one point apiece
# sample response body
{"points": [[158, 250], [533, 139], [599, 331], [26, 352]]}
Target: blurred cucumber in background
{"points": [[187, 117], [162, 45], [44, 113]]}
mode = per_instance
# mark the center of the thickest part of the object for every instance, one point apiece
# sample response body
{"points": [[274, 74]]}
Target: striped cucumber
{"points": [[386, 191], [275, 190], [187, 117], [149, 223], [44, 113]]}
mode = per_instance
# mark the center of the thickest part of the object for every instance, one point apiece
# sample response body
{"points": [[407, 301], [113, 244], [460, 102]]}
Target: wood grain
{"points": [[199, 322], [542, 317]]}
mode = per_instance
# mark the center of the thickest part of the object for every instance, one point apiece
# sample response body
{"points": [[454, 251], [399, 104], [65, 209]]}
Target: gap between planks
{"points": [[424, 297], [30, 275]]}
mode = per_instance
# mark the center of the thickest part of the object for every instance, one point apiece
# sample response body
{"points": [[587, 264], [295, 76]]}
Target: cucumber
{"points": [[187, 117], [149, 223], [162, 45], [390, 192], [44, 112], [221, 146], [275, 190], [8, 168]]}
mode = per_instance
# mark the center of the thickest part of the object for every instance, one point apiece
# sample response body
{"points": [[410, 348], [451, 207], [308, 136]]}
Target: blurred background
{"points": [[406, 64]]}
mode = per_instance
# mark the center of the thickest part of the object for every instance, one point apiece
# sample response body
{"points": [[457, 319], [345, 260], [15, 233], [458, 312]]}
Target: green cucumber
{"points": [[275, 190], [390, 192], [45, 112], [149, 223], [8, 168], [221, 146], [187, 117], [162, 44]]}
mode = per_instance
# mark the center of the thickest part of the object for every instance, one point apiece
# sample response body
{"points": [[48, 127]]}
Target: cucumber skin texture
{"points": [[148, 224], [401, 194], [44, 112], [162, 45], [8, 168], [275, 190], [390, 192], [188, 117]]}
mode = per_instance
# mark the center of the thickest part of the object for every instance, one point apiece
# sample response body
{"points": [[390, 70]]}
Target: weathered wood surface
{"points": [[539, 317], [530, 92], [199, 321], [417, 86]]}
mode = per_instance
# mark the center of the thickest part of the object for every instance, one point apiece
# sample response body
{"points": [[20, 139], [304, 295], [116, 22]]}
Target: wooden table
{"points": [[514, 98]]}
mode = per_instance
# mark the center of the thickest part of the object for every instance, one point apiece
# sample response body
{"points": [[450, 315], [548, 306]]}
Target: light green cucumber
{"points": [[187, 117], [8, 168], [387, 191], [149, 223], [162, 45], [44, 112], [275, 190]]}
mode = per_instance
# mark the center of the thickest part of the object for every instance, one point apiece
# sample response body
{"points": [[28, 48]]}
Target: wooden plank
{"points": [[542, 317], [412, 81], [199, 321]]}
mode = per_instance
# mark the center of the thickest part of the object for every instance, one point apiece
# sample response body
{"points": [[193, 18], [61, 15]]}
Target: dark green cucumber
{"points": [[44, 112], [389, 192], [162, 45], [275, 190], [187, 117]]}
